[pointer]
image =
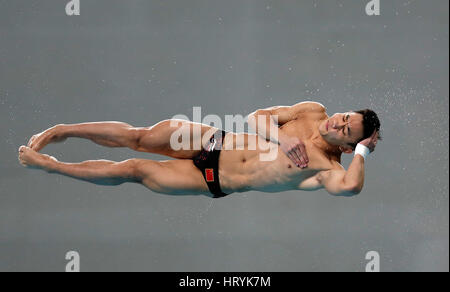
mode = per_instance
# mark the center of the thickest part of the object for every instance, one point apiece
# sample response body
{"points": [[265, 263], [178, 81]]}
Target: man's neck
{"points": [[330, 150]]}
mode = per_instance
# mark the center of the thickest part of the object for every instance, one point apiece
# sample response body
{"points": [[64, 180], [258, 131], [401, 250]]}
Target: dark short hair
{"points": [[370, 124]]}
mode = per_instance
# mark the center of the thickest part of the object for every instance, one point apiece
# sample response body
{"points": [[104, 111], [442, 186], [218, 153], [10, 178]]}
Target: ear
{"points": [[347, 150]]}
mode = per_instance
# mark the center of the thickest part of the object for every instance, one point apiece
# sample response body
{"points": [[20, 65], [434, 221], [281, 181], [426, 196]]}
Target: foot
{"points": [[32, 159], [52, 135]]}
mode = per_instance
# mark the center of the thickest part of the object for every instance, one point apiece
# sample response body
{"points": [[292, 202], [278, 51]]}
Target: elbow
{"points": [[350, 191], [253, 117], [347, 194], [257, 113], [353, 190]]}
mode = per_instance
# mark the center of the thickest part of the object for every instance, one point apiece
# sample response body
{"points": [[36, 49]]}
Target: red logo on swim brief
{"points": [[209, 174]]}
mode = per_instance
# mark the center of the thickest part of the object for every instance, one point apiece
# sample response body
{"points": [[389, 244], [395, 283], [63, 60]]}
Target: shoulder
{"points": [[301, 107], [310, 106]]}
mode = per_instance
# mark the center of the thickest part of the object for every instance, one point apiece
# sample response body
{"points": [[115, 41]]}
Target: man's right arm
{"points": [[266, 123], [275, 116]]}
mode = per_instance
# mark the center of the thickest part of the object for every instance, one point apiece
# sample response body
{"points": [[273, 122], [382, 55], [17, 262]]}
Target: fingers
{"points": [[375, 139], [301, 162], [374, 135], [296, 152], [295, 158], [301, 153], [305, 156]]}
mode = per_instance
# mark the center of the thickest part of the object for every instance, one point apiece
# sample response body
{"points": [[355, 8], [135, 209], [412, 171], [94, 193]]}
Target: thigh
{"points": [[160, 138], [174, 177]]}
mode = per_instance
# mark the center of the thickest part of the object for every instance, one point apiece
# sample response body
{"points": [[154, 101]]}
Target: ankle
{"points": [[50, 164]]}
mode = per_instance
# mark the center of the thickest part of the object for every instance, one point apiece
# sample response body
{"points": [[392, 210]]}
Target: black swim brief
{"points": [[208, 163]]}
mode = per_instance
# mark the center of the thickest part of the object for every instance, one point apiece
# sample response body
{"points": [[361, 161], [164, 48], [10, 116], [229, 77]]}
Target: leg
{"points": [[110, 134], [160, 138], [174, 177], [154, 139]]}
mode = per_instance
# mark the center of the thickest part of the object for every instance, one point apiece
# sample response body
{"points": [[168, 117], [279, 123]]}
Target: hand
{"points": [[371, 142], [295, 151]]}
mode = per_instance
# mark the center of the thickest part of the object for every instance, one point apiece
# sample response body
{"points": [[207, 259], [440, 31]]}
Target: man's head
{"points": [[346, 130]]}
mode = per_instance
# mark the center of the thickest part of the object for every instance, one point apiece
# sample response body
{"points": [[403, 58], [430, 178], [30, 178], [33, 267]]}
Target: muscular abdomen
{"points": [[248, 162]]}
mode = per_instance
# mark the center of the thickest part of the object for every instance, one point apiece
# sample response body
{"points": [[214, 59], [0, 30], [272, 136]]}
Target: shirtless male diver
{"points": [[309, 146]]}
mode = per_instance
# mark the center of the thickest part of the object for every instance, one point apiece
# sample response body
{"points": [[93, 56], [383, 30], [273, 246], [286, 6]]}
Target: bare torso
{"points": [[243, 170]]}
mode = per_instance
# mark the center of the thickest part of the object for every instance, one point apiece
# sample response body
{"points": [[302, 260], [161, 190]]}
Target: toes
{"points": [[30, 143], [21, 161], [22, 148], [22, 157]]}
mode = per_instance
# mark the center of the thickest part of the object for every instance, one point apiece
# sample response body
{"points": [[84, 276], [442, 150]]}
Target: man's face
{"points": [[341, 129]]}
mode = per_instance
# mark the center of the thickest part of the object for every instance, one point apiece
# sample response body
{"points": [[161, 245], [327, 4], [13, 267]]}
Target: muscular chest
{"points": [[303, 128]]}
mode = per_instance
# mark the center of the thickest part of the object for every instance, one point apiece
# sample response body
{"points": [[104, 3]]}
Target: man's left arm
{"points": [[349, 182], [346, 183]]}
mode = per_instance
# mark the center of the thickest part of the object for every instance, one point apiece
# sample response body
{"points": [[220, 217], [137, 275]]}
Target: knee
{"points": [[131, 168], [140, 169], [135, 136], [147, 139]]}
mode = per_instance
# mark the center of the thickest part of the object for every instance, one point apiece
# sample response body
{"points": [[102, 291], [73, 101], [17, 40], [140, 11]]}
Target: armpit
{"points": [[310, 184]]}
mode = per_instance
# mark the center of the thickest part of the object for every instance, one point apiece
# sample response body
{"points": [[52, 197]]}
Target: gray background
{"points": [[144, 61]]}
